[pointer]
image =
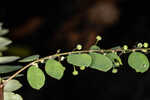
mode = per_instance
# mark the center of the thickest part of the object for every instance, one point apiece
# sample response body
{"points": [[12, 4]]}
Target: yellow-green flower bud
{"points": [[98, 38], [75, 72], [82, 68], [139, 45], [79, 47], [125, 47], [114, 71], [145, 45]]}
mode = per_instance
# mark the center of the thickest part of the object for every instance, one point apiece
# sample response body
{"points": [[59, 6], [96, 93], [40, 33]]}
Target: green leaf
{"points": [[94, 47], [3, 31], [1, 54], [30, 58], [54, 69], [8, 59], [113, 57], [35, 77], [138, 61], [100, 62], [4, 42], [0, 80], [3, 48], [12, 85], [79, 59], [12, 96], [8, 68]]}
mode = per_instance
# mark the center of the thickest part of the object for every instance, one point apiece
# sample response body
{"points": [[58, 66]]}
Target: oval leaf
{"points": [[8, 59], [3, 31], [3, 49], [79, 59], [113, 57], [12, 85], [12, 96], [138, 61], [54, 69], [94, 47], [1, 54], [100, 62], [8, 68], [4, 42], [30, 58], [35, 77]]}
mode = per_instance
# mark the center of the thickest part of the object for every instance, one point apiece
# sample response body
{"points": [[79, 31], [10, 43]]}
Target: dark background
{"points": [[131, 27]]}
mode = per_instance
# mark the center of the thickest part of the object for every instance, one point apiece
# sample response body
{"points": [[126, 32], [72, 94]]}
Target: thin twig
{"points": [[72, 52]]}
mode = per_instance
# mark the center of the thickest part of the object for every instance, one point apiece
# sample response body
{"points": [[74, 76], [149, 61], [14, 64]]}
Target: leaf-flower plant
{"points": [[95, 58]]}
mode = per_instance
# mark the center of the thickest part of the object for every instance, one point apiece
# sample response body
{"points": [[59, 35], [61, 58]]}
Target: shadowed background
{"points": [[62, 25]]}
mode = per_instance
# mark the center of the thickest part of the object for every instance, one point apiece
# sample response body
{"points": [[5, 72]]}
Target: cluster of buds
{"points": [[145, 45]]}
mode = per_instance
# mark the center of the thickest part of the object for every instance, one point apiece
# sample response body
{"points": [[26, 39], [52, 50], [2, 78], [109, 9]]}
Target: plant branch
{"points": [[74, 52]]}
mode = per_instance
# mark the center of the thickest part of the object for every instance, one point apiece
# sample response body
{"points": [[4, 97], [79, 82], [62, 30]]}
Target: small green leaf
{"points": [[138, 61], [94, 47], [12, 85], [3, 31], [1, 54], [8, 68], [4, 42], [100, 62], [3, 48], [79, 59], [1, 80], [30, 58], [54, 69], [8, 59], [35, 77], [113, 57], [12, 96]]}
